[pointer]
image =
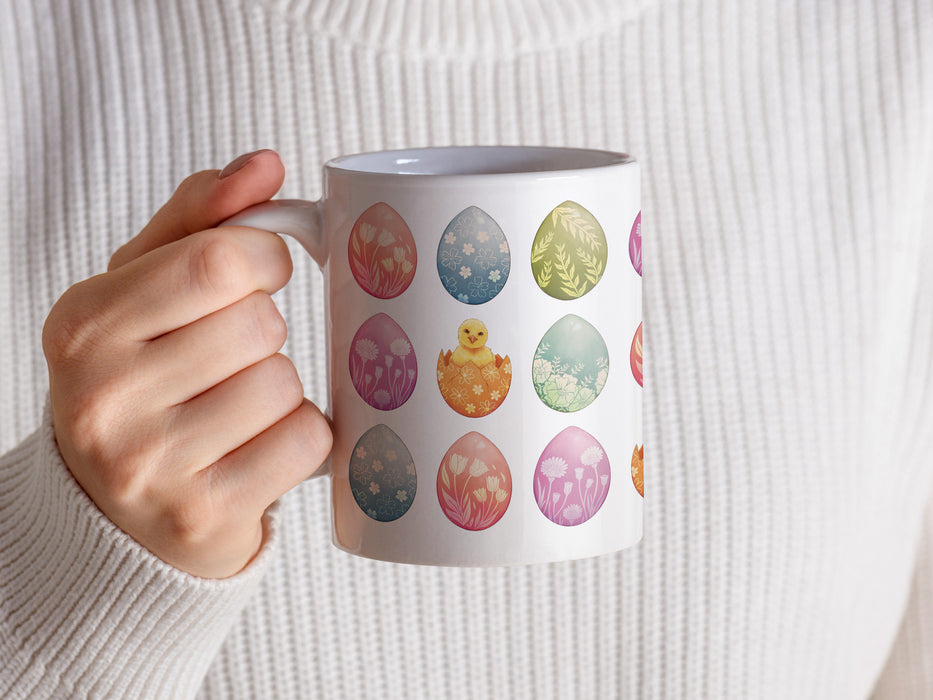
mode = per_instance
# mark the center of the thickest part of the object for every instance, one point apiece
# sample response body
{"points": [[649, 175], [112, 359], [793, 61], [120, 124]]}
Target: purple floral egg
{"points": [[383, 367], [634, 244], [571, 480]]}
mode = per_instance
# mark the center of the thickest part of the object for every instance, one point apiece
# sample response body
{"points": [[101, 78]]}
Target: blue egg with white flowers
{"points": [[473, 258]]}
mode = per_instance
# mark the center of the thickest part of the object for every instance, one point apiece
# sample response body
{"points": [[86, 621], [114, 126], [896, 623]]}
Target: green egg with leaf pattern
{"points": [[568, 255]]}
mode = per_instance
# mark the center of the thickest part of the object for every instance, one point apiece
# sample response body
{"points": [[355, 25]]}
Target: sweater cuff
{"points": [[87, 611]]}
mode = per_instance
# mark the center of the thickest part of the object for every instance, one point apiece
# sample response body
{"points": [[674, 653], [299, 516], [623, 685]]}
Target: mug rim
{"points": [[485, 161]]}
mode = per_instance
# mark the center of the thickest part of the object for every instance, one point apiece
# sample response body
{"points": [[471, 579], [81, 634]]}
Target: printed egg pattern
{"points": [[635, 356], [382, 474], [474, 484], [568, 255], [473, 380], [571, 481], [383, 367], [571, 365], [634, 244], [382, 252], [638, 469], [473, 258]]}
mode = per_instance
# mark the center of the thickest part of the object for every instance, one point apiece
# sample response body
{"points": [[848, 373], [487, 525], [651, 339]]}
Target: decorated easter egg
{"points": [[382, 474], [568, 255], [383, 367], [382, 252], [474, 484], [571, 480], [638, 469], [571, 365], [635, 356], [473, 257], [634, 244], [472, 378]]}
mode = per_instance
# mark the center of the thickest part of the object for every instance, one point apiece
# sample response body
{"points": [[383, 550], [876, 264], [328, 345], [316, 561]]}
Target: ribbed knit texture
{"points": [[786, 153]]}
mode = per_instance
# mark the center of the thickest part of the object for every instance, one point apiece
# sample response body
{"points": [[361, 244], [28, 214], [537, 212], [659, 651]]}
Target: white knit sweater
{"points": [[786, 153]]}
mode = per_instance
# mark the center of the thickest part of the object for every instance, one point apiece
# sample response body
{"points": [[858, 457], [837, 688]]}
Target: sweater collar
{"points": [[458, 27]]}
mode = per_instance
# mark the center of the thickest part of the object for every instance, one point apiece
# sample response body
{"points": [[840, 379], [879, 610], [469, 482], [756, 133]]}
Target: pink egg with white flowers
{"points": [[572, 478], [383, 367]]}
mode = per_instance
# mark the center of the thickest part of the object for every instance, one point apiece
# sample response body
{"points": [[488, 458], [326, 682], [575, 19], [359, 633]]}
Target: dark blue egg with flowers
{"points": [[473, 257]]}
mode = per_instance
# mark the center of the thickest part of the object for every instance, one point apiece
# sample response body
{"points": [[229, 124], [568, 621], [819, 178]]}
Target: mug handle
{"points": [[301, 220]]}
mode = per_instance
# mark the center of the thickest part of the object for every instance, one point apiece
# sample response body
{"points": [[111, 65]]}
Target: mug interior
{"points": [[477, 160]]}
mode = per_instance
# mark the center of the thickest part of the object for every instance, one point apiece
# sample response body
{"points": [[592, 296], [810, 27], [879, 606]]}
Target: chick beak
{"points": [[472, 339]]}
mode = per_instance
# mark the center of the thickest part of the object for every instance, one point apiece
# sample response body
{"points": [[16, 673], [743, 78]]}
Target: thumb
{"points": [[205, 199]]}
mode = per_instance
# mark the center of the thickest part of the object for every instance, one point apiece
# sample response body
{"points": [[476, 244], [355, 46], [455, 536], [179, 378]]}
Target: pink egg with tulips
{"points": [[382, 252], [474, 484]]}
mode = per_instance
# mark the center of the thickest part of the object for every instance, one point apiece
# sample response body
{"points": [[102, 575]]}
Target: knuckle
{"points": [[284, 377], [99, 430], [72, 328], [265, 324], [218, 266], [187, 520], [316, 432], [188, 186], [123, 480]]}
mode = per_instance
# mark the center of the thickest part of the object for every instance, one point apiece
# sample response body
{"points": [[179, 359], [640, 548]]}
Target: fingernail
{"points": [[238, 163]]}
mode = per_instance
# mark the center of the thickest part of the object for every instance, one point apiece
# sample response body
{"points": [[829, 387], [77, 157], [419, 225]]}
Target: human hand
{"points": [[171, 405]]}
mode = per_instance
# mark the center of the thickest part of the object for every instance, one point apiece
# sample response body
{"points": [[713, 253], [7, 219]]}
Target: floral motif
{"points": [[367, 349], [473, 246], [553, 467], [400, 347], [450, 258]]}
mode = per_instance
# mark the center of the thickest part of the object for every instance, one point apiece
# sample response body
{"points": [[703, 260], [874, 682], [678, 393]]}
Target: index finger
{"points": [[182, 281]]}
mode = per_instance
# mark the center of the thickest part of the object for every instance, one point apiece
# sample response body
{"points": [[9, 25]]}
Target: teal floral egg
{"points": [[570, 365], [382, 474], [473, 258]]}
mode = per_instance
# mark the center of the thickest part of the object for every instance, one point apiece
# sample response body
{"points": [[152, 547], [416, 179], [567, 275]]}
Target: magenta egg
{"points": [[634, 244], [383, 367], [571, 481]]}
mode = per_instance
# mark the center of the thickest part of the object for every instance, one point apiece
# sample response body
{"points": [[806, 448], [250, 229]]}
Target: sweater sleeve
{"points": [[85, 611], [909, 670]]}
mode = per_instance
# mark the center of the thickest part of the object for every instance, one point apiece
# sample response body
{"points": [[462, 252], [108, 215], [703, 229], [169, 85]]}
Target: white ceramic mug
{"points": [[484, 350]]}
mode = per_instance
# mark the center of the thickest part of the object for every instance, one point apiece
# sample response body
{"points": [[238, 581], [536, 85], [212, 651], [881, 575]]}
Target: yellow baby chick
{"points": [[472, 336]]}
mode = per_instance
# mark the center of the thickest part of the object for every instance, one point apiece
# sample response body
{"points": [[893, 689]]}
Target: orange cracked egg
{"points": [[473, 380], [638, 469]]}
